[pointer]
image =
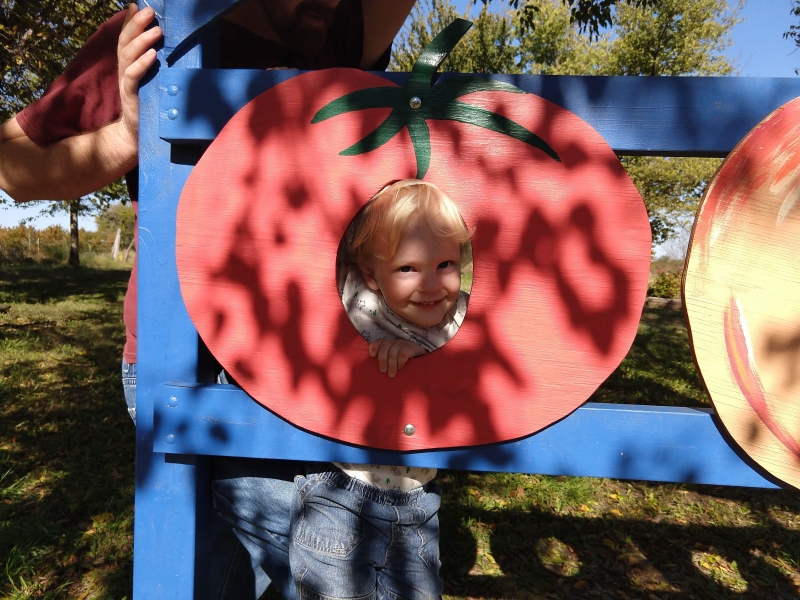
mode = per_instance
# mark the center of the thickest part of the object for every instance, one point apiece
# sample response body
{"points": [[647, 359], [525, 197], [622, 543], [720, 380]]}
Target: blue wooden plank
{"points": [[164, 523], [185, 22], [598, 440], [666, 116]]}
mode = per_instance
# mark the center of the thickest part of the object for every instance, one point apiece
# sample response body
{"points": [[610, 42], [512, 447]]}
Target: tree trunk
{"points": [[74, 251]]}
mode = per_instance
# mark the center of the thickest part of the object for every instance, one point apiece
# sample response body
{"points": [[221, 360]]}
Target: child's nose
{"points": [[430, 281]]}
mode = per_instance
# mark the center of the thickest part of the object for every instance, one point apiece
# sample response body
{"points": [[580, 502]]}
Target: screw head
{"points": [[172, 402], [415, 102], [409, 430], [172, 90], [172, 114], [170, 439]]}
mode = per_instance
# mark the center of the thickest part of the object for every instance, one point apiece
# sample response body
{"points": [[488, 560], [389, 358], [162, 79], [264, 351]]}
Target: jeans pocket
{"points": [[329, 520], [429, 542]]}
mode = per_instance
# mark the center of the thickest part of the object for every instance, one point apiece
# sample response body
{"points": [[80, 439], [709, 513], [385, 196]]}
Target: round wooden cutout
{"points": [[561, 259], [742, 293]]}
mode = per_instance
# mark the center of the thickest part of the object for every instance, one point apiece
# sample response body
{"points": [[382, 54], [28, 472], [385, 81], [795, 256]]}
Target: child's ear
{"points": [[369, 278]]}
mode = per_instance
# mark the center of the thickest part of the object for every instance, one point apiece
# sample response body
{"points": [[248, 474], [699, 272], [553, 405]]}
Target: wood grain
{"points": [[742, 293], [561, 258]]}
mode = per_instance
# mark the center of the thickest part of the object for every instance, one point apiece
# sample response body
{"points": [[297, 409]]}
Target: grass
{"points": [[66, 443], [66, 479]]}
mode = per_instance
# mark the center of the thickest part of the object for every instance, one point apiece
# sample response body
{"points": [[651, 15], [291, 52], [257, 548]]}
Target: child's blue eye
{"points": [[405, 269]]}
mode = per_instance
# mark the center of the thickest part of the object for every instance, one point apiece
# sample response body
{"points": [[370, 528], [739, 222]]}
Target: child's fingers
{"points": [[383, 356], [403, 357], [374, 346], [393, 358]]}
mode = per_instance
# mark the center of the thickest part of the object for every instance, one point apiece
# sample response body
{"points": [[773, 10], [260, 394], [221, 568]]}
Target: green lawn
{"points": [[66, 479]]}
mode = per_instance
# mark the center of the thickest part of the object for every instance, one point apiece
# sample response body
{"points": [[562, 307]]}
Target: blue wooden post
{"points": [[166, 484], [181, 416]]}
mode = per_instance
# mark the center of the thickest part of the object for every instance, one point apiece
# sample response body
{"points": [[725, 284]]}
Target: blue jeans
{"points": [[352, 540], [129, 387], [238, 559]]}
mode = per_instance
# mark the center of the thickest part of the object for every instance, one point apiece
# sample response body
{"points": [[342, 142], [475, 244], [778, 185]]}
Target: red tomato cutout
{"points": [[561, 259]]}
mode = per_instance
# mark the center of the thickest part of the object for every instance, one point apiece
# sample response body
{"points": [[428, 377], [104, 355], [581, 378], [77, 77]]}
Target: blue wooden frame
{"points": [[183, 416]]}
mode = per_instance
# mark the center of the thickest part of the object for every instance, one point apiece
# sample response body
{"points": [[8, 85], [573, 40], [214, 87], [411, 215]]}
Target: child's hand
{"points": [[393, 354]]}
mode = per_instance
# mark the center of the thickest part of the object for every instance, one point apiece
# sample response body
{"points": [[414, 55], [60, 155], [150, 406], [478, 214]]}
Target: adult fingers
{"points": [[137, 47], [136, 70], [136, 21]]}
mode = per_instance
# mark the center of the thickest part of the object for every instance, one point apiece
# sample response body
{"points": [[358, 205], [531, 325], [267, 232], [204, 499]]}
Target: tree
{"points": [[116, 217], [39, 38], [678, 37], [794, 30], [589, 16], [88, 205]]}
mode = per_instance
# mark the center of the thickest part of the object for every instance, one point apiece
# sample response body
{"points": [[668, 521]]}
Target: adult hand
{"points": [[135, 56], [393, 355]]}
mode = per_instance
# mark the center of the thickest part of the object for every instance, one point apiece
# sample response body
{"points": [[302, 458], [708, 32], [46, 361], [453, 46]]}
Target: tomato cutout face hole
{"points": [[404, 266]]}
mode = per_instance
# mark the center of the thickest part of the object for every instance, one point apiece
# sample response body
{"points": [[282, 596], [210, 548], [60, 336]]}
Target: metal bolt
{"points": [[172, 114], [409, 430], [172, 402], [415, 102], [170, 439], [172, 90]]}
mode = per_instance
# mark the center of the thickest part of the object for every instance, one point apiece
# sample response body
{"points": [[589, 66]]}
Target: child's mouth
{"points": [[431, 304]]}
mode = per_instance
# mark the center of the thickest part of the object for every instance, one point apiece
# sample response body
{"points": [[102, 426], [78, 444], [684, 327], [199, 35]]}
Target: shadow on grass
{"points": [[659, 369], [66, 442], [37, 284], [66, 480], [533, 552]]}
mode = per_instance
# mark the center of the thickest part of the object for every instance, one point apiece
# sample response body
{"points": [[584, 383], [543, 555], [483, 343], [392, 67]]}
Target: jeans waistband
{"points": [[326, 471]]}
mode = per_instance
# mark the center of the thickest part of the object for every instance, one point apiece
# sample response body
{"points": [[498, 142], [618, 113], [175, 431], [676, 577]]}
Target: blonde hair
{"points": [[390, 213]]}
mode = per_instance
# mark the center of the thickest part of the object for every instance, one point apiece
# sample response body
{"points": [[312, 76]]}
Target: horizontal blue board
{"points": [[661, 116], [597, 440]]}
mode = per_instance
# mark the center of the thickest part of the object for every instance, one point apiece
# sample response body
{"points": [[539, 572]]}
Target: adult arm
{"points": [[382, 20], [80, 164]]}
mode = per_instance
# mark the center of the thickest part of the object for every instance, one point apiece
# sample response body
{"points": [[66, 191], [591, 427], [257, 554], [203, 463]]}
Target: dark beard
{"points": [[303, 37]]}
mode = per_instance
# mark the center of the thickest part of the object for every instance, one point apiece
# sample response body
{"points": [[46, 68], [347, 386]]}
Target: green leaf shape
{"points": [[438, 102], [435, 53], [377, 138]]}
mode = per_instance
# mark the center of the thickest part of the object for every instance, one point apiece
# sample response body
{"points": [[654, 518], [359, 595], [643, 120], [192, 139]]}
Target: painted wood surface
{"points": [[669, 116], [742, 293], [650, 443], [561, 259]]}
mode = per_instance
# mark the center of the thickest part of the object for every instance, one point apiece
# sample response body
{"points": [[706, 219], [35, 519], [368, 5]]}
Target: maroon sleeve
{"points": [[85, 97]]}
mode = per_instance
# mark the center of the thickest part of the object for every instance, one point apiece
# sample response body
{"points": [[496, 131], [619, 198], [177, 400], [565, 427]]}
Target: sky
{"points": [[758, 50]]}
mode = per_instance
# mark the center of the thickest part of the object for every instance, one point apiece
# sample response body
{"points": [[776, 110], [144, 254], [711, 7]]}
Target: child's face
{"points": [[421, 283]]}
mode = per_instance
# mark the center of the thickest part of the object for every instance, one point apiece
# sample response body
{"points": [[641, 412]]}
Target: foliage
{"points": [[671, 188], [794, 30], [588, 15], [39, 38], [88, 205], [682, 37], [113, 217], [678, 37], [25, 245], [666, 284]]}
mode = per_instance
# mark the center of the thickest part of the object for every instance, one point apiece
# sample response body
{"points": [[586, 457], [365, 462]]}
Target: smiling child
{"points": [[372, 531], [402, 289]]}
